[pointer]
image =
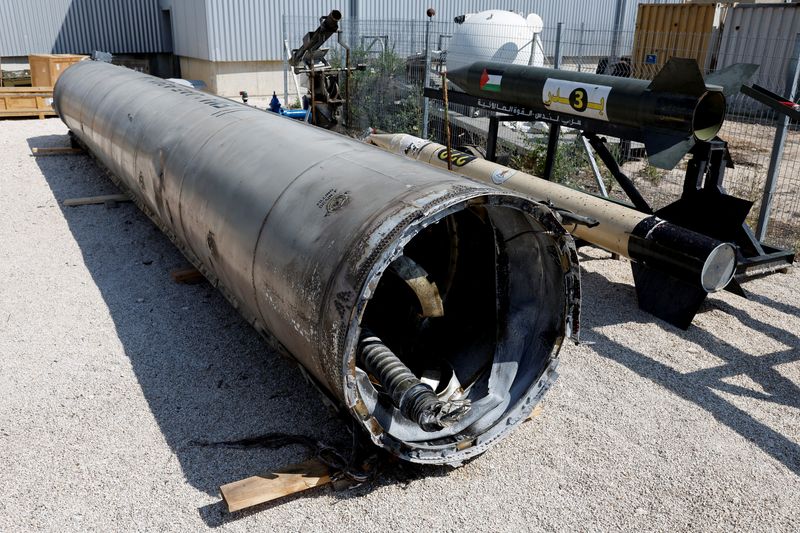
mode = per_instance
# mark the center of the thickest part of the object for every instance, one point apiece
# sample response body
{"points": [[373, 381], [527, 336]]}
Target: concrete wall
{"points": [[227, 78]]}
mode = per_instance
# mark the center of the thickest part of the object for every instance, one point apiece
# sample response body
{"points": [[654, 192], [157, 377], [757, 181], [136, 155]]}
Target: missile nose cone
{"points": [[383, 140], [459, 77]]}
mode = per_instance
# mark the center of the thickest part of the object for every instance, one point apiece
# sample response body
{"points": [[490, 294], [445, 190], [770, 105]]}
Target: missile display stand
{"points": [[704, 206], [324, 98]]}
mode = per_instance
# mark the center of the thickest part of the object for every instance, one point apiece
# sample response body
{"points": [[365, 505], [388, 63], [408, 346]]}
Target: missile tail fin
{"points": [[670, 299], [732, 78], [679, 75], [692, 209], [666, 150]]}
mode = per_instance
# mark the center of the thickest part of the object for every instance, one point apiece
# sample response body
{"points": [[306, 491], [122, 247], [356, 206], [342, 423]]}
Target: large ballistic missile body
{"points": [[431, 306], [667, 114], [674, 268]]}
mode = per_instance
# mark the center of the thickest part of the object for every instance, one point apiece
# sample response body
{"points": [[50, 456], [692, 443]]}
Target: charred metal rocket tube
{"points": [[300, 239], [692, 257]]}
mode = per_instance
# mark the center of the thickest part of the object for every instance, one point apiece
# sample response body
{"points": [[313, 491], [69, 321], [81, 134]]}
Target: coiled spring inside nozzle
{"points": [[415, 400]]}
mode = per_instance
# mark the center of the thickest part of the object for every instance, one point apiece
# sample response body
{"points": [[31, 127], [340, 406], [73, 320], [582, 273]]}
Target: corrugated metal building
{"points": [[251, 30], [224, 41], [764, 34], [220, 41], [82, 26]]}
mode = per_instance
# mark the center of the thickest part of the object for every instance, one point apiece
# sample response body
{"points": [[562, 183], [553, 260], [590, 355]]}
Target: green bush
{"points": [[570, 166], [380, 96]]}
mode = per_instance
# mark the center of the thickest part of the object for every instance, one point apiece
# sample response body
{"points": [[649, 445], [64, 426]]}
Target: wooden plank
{"points": [[42, 90], [273, 485], [188, 276], [27, 113], [90, 200], [26, 101], [59, 150]]}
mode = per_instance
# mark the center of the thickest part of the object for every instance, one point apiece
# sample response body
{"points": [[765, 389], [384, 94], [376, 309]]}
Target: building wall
{"points": [[239, 30], [227, 78], [765, 35], [82, 26], [252, 30]]}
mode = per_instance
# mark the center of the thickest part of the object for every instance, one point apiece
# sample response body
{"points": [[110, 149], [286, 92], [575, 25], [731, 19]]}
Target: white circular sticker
{"points": [[500, 176]]}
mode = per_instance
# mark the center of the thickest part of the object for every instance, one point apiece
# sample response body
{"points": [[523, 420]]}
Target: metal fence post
{"points": [[557, 54], [427, 77], [619, 19], [354, 26], [285, 65], [555, 129], [777, 145]]}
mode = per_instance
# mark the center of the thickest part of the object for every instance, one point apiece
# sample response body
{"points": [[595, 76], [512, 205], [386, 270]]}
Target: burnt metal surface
{"points": [[299, 243]]}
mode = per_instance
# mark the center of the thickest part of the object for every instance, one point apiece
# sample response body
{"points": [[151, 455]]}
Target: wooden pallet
{"points": [[92, 200], [57, 150], [26, 102]]}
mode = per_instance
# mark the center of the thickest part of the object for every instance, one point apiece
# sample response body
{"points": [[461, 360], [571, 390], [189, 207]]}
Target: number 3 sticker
{"points": [[586, 100], [578, 100]]}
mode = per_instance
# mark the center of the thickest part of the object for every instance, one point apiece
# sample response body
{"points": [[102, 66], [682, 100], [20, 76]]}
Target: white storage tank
{"points": [[496, 35]]}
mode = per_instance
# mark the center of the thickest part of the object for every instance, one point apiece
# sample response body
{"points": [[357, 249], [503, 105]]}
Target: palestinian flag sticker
{"points": [[491, 80]]}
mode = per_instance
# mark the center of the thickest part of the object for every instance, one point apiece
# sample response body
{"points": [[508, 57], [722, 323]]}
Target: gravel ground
{"points": [[110, 371]]}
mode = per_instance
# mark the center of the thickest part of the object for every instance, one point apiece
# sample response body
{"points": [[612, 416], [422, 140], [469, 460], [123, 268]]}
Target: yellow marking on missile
{"points": [[577, 100]]}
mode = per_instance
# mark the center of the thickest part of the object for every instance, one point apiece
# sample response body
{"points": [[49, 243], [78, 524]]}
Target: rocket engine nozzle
{"points": [[708, 115]]}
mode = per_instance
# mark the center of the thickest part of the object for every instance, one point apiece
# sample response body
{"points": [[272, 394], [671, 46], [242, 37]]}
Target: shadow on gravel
{"points": [[615, 303], [206, 374], [789, 309], [398, 474]]}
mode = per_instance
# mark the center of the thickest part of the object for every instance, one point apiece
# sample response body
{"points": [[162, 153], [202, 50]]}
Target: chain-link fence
{"points": [[388, 96]]}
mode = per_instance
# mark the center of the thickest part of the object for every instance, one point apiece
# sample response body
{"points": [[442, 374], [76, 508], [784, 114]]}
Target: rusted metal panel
{"points": [[675, 30]]}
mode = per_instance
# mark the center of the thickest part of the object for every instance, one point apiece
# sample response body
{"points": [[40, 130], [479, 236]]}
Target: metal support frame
{"points": [[793, 71], [595, 169], [703, 191], [491, 138], [555, 129], [373, 40], [552, 149], [426, 79], [599, 145]]}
